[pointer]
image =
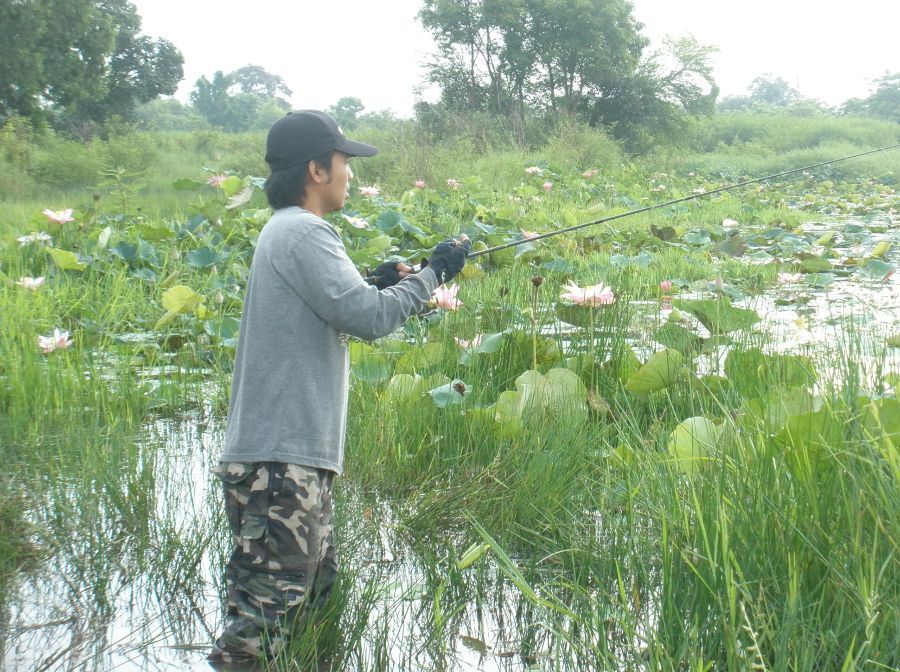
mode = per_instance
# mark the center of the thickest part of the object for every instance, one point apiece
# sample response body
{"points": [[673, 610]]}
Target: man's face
{"points": [[336, 189]]}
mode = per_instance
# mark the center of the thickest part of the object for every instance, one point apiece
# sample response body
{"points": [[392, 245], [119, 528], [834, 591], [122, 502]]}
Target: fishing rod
{"points": [[604, 220]]}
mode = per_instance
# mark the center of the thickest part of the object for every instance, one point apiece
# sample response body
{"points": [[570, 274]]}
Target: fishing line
{"points": [[604, 220]]}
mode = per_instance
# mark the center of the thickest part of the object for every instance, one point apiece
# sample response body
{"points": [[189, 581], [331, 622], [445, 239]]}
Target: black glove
{"points": [[448, 258], [386, 275]]}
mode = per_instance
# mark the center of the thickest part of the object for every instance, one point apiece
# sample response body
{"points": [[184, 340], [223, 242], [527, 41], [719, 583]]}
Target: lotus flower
{"points": [[58, 341], [597, 295], [533, 170], [548, 186], [216, 180], [729, 223], [59, 216], [470, 345], [665, 286], [453, 184], [369, 191], [34, 237], [420, 184], [445, 297], [787, 278], [30, 283], [593, 172]]}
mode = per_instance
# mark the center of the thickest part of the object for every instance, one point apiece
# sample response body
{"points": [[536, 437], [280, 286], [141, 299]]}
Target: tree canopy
{"points": [[86, 58], [241, 100], [883, 103], [575, 57]]}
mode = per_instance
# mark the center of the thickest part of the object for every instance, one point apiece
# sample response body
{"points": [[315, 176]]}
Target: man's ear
{"points": [[317, 172]]}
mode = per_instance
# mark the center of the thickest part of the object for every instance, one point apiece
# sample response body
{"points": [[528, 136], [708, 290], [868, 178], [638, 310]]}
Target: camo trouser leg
{"points": [[283, 562]]}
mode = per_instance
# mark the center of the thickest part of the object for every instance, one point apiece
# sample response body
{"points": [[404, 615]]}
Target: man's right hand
{"points": [[449, 257]]}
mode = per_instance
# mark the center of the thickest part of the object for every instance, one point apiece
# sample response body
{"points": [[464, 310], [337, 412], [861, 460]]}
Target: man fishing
{"points": [[284, 441]]}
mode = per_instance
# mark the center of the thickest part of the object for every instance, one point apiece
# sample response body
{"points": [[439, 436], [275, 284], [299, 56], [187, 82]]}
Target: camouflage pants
{"points": [[283, 562]]}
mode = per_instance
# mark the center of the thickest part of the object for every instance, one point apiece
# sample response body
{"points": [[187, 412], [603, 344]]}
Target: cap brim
{"points": [[354, 148]]}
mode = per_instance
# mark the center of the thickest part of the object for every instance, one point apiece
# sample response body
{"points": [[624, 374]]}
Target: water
{"points": [[105, 603]]}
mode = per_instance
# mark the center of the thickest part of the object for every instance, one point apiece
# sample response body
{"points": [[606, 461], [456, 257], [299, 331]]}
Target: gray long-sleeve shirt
{"points": [[291, 373]]}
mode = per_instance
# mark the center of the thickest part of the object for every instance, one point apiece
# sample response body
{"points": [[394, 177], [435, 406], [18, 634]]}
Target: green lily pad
{"points": [[678, 338], [367, 364], [876, 269], [65, 260], [815, 265], [425, 358], [659, 371], [204, 257], [692, 442], [718, 315], [450, 394]]}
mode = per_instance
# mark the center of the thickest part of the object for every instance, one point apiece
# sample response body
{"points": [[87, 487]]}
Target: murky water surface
{"points": [[157, 608]]}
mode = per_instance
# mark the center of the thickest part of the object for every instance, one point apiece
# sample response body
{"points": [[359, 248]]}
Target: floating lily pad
{"points": [[876, 269]]}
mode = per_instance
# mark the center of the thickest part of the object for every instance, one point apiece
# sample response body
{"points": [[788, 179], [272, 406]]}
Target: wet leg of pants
{"points": [[280, 515]]}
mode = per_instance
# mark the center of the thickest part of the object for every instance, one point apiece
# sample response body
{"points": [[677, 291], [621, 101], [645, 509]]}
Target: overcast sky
{"points": [[374, 49]]}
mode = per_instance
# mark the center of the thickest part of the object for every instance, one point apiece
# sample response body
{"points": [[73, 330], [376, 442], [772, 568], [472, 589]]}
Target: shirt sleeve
{"points": [[318, 269]]}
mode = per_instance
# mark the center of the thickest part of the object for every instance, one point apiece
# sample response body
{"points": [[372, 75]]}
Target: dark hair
{"points": [[285, 188]]}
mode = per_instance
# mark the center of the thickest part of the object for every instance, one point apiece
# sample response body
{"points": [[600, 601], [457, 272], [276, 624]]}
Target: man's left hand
{"points": [[389, 274]]}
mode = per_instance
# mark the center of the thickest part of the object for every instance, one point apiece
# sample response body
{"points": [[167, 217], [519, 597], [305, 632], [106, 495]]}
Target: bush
{"points": [[786, 131], [575, 146], [65, 164]]}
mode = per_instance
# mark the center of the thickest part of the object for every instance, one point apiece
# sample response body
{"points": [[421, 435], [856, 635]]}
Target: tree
{"points": [[570, 57], [774, 91], [883, 103], [241, 100], [666, 88], [346, 111], [503, 55], [85, 58]]}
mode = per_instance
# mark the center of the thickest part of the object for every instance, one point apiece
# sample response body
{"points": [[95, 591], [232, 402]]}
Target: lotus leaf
{"points": [[659, 371], [65, 260], [718, 315], [692, 442]]}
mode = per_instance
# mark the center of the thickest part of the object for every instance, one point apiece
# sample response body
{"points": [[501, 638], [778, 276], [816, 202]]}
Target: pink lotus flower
{"points": [[787, 278], [445, 297], [665, 286], [34, 237], [30, 283], [453, 184], [548, 186], [216, 180], [369, 191], [59, 216], [528, 235], [588, 174], [58, 341], [533, 170], [470, 345], [597, 295], [420, 184], [356, 222]]}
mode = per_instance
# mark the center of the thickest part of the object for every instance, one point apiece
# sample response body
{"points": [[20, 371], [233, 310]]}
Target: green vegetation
{"points": [[699, 474]]}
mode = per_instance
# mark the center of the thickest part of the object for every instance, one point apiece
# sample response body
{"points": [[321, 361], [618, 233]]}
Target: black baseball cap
{"points": [[303, 135]]}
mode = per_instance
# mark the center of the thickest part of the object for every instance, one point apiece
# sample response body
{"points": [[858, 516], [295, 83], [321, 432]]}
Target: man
{"points": [[284, 440]]}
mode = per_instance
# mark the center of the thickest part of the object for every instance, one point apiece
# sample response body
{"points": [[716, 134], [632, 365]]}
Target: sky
{"points": [[375, 49]]}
